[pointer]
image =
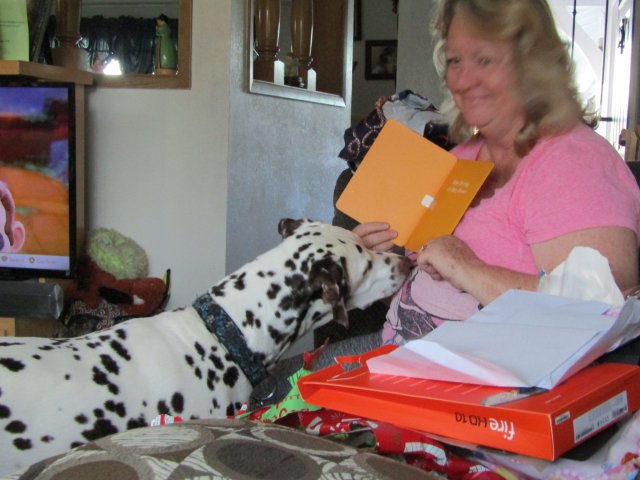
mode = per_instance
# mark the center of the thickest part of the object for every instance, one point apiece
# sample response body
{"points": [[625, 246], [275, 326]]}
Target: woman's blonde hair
{"points": [[543, 65]]}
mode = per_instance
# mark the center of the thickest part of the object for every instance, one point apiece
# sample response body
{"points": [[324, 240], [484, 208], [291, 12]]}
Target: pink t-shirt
{"points": [[566, 183]]}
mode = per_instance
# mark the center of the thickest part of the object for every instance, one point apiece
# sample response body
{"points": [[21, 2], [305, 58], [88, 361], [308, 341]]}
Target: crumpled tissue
{"points": [[585, 275]]}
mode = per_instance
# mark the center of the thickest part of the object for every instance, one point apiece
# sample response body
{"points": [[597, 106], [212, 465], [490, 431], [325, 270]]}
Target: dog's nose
{"points": [[405, 265]]}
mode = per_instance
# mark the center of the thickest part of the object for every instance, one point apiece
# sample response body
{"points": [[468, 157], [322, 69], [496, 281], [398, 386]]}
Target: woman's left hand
{"points": [[448, 258]]}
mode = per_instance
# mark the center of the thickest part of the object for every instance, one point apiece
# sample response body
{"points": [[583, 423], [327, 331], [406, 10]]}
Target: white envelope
{"points": [[522, 339]]}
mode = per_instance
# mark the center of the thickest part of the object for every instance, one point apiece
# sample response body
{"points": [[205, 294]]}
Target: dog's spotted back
{"points": [[59, 393]]}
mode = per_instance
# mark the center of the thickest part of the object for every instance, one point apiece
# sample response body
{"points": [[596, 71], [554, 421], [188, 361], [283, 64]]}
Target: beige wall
{"points": [[378, 23], [157, 162], [415, 46], [201, 177], [415, 65]]}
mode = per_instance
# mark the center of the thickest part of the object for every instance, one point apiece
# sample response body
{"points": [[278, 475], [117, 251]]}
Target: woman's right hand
{"points": [[377, 236]]}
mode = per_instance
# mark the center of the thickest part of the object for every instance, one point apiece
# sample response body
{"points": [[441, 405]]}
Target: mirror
{"points": [[330, 50], [182, 79]]}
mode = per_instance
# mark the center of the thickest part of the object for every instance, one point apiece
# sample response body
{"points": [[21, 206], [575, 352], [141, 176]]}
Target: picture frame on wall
{"points": [[381, 58]]}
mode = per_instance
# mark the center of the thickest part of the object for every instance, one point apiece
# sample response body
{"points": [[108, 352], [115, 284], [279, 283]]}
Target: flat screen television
{"points": [[37, 175]]}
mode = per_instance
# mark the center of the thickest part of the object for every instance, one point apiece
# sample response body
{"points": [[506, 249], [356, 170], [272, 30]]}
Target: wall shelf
{"points": [[45, 72]]}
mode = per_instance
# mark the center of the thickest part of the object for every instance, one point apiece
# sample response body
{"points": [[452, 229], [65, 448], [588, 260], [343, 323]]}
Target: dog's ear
{"points": [[328, 275], [287, 226]]}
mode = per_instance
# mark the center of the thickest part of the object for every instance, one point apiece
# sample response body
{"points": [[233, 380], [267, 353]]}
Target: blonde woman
{"points": [[556, 184]]}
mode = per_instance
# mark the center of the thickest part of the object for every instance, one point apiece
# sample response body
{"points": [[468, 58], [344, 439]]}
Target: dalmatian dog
{"points": [[200, 361]]}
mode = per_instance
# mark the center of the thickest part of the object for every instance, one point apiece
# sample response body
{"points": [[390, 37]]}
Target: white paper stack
{"points": [[522, 339]]}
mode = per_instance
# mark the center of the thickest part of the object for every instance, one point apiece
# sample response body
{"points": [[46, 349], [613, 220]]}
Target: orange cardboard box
{"points": [[420, 189], [545, 425]]}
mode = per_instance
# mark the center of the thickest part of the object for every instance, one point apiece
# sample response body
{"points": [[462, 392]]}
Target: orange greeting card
{"points": [[417, 187]]}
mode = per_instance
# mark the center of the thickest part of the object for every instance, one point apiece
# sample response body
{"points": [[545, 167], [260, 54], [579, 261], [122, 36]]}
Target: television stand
{"points": [[26, 327], [30, 307], [7, 327]]}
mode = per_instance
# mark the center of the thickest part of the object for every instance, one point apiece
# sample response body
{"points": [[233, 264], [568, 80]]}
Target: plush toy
{"points": [[116, 254], [112, 285]]}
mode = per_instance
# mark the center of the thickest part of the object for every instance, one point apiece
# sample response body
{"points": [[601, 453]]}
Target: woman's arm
{"points": [[618, 244], [449, 258]]}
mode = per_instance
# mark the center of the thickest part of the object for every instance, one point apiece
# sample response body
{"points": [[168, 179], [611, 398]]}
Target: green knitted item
{"points": [[116, 254]]}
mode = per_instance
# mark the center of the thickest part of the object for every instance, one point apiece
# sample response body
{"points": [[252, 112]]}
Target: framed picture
{"points": [[381, 59], [357, 20]]}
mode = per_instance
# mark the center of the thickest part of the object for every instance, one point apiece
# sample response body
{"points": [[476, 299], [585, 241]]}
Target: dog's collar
{"points": [[222, 326]]}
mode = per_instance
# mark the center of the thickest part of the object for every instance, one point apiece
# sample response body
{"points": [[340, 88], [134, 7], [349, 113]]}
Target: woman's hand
{"points": [[448, 258], [377, 236]]}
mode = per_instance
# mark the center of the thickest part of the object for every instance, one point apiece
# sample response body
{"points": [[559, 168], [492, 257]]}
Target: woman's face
{"points": [[482, 80]]}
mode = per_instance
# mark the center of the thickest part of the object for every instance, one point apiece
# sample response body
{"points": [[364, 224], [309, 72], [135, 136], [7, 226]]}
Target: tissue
{"points": [[585, 275]]}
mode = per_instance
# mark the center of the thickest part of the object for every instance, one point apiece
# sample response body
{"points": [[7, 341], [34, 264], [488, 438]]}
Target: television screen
{"points": [[37, 179]]}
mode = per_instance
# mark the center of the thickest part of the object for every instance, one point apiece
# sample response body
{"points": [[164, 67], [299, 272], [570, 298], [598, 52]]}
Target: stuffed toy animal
{"points": [[116, 254], [112, 285]]}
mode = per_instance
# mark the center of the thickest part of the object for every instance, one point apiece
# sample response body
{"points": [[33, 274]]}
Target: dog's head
{"points": [[342, 272], [315, 275]]}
